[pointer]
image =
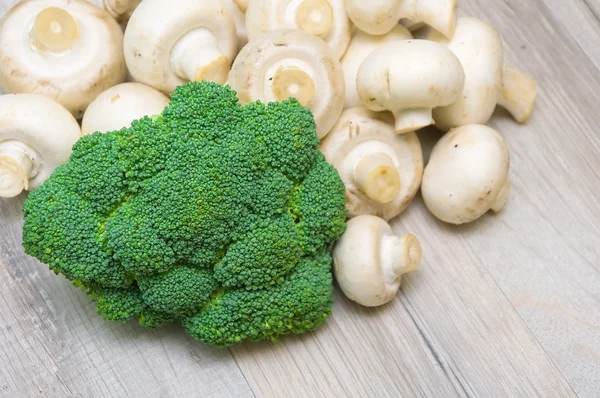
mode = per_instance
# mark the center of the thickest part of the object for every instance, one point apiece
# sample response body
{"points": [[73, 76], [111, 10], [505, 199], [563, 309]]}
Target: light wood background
{"points": [[506, 307]]}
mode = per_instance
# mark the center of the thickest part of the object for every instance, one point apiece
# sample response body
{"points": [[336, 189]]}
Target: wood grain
{"points": [[508, 306]]}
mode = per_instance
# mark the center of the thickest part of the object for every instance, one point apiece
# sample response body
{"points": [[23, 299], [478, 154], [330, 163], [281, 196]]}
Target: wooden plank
{"points": [[54, 344], [544, 250]]}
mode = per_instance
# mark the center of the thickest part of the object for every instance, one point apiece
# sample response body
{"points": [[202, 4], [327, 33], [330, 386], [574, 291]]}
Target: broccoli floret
{"points": [[213, 214]]}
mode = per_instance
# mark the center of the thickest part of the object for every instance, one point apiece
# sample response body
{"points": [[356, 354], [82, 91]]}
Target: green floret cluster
{"points": [[212, 214]]}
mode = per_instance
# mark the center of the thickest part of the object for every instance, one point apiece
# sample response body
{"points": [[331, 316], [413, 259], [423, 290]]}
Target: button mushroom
{"points": [[370, 259], [410, 78], [118, 106], [377, 17], [121, 10], [467, 174], [291, 63], [361, 45], [239, 20], [168, 43], [68, 50], [382, 171], [36, 136], [479, 48], [325, 19]]}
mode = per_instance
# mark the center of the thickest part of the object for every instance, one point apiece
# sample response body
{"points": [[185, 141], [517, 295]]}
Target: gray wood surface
{"points": [[506, 307]]}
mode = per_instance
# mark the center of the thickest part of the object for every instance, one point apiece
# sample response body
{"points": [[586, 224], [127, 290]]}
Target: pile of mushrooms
{"points": [[370, 84]]}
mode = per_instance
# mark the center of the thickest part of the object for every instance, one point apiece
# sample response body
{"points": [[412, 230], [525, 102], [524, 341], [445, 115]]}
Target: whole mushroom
{"points": [[370, 259], [467, 174], [382, 170], [487, 82], [168, 43], [68, 50], [291, 63], [325, 19], [118, 106], [36, 136], [410, 78], [361, 45], [377, 17]]}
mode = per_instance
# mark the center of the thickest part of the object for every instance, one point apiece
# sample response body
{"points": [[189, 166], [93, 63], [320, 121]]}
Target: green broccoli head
{"points": [[211, 213]]}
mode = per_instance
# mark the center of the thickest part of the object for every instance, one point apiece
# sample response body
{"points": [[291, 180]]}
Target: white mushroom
{"points": [[370, 259], [68, 50], [168, 43], [361, 45], [382, 170], [377, 17], [479, 48], [36, 136], [467, 174], [291, 63], [410, 78], [121, 10], [118, 106], [325, 19]]}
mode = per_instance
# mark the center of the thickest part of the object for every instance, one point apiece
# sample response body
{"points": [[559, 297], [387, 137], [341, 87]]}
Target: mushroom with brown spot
{"points": [[382, 171], [467, 174], [487, 81], [36, 136], [169, 43], [370, 259], [68, 50], [361, 45], [325, 19], [410, 78], [118, 106], [291, 63]]}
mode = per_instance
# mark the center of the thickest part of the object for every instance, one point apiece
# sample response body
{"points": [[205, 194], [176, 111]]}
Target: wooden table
{"points": [[506, 307]]}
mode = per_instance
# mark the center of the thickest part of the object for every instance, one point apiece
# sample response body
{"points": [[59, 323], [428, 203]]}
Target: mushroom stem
{"points": [[439, 14], [315, 17], [502, 198], [408, 120], [518, 94], [290, 81], [55, 30], [16, 168], [399, 255], [377, 177], [196, 57]]}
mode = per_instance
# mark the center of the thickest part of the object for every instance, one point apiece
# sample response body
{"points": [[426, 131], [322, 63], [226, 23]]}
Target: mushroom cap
{"points": [[365, 260], [360, 131], [74, 78], [479, 48], [466, 173], [42, 124], [266, 15], [118, 106], [361, 45], [410, 74], [377, 17], [256, 66], [157, 25]]}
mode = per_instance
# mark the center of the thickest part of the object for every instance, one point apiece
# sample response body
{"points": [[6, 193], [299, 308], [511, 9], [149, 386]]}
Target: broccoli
{"points": [[211, 214]]}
